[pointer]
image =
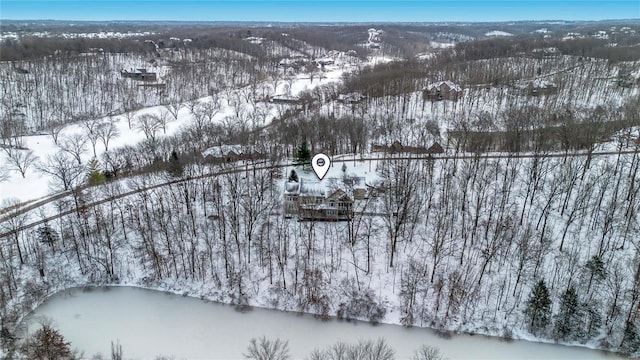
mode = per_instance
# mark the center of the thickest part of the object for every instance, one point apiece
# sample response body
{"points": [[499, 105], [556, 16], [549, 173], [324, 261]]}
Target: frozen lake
{"points": [[149, 323]]}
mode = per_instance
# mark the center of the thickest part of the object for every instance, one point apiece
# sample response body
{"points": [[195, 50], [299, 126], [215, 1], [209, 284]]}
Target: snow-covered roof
{"points": [[254, 39], [222, 150], [326, 187], [437, 85], [536, 83], [542, 83], [325, 60], [498, 33], [291, 187], [355, 96], [311, 188], [286, 97]]}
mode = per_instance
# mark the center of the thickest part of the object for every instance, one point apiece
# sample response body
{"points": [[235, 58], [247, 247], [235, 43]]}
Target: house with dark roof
{"points": [[139, 74], [442, 90]]}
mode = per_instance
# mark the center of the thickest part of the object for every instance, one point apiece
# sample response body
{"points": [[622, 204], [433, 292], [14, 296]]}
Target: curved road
{"points": [[246, 167]]}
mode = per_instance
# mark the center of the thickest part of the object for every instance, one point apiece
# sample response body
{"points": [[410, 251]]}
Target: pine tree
{"points": [[569, 321], [293, 176], [47, 235], [175, 168], [303, 157], [538, 309], [631, 340], [595, 265], [593, 321], [95, 176]]}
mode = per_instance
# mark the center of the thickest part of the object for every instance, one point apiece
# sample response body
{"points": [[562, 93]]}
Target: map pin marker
{"points": [[320, 164]]}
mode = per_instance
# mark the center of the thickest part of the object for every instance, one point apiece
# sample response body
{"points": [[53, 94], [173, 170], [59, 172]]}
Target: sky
{"points": [[320, 10]]}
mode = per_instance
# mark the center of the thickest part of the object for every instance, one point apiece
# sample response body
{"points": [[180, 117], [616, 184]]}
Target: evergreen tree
{"points": [[631, 340], [568, 322], [47, 235], [175, 168], [595, 265], [293, 176], [593, 320], [95, 176], [538, 309], [303, 157]]}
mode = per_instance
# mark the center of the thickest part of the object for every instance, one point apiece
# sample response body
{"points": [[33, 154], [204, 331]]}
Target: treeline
{"points": [[521, 45], [527, 129], [32, 48]]}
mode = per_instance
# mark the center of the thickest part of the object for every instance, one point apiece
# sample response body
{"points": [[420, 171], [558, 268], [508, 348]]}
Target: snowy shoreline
{"points": [[444, 333]]}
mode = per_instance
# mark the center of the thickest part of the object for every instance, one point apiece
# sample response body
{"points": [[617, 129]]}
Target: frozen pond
{"points": [[149, 323]]}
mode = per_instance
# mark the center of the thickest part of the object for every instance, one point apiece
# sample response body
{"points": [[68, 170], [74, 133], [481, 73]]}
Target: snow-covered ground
{"points": [[496, 33], [35, 185]]}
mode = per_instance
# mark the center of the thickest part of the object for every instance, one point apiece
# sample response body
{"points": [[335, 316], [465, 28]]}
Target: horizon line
{"points": [[332, 21]]}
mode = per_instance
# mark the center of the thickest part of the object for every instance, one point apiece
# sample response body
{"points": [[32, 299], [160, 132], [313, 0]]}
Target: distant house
{"points": [[549, 52], [442, 90], [435, 149], [542, 87], [324, 61], [627, 78], [154, 85], [396, 147], [139, 74], [295, 62], [350, 98], [229, 153], [285, 99]]}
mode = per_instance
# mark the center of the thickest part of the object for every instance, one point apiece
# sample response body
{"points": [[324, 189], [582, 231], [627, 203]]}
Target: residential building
{"points": [[329, 200], [442, 90]]}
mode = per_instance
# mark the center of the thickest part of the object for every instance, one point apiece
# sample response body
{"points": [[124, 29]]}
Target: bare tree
{"points": [[13, 222], [163, 120], [75, 144], [116, 351], [107, 131], [149, 124], [55, 129], [364, 350], [402, 201], [428, 353], [130, 114], [173, 109], [265, 349], [20, 160], [4, 174], [63, 168], [91, 128]]}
